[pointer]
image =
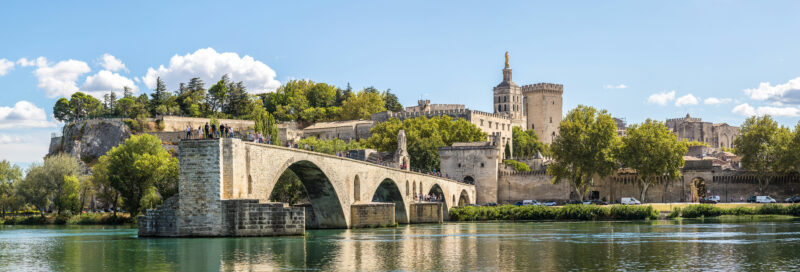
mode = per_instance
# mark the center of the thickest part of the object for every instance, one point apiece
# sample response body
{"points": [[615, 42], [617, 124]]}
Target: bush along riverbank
{"points": [[568, 212], [66, 219], [707, 210]]}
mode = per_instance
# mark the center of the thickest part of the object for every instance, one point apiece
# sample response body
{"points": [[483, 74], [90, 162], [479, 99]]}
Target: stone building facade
{"points": [[694, 129]]}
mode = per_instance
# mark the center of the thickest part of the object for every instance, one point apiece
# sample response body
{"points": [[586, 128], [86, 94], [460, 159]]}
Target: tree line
{"points": [[304, 101]]}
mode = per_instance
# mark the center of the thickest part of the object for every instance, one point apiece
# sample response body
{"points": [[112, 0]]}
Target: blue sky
{"points": [[719, 60]]}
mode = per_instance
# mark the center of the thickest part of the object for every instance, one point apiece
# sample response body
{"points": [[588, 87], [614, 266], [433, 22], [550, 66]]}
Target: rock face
{"points": [[90, 139]]}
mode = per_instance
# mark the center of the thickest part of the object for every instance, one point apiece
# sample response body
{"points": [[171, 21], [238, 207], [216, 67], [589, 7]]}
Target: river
{"points": [[505, 246]]}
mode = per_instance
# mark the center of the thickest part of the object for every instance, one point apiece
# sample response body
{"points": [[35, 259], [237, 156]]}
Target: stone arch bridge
{"points": [[215, 170]]}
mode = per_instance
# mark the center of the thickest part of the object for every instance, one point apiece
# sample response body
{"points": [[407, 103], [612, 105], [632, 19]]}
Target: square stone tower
{"points": [[543, 109]]}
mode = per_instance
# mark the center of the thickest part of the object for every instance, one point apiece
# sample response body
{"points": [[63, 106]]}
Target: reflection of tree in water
{"points": [[289, 189]]}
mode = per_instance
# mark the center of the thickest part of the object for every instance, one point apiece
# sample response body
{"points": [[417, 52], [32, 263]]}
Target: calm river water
{"points": [[531, 246]]}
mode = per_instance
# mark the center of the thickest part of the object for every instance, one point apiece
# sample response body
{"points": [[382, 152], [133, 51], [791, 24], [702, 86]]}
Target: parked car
{"points": [[530, 202], [518, 203], [751, 199], [490, 204], [708, 200], [574, 202], [595, 202], [549, 203], [715, 198], [765, 199], [794, 199], [629, 201], [473, 205]]}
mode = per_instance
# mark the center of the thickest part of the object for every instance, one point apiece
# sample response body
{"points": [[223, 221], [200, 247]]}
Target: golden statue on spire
{"points": [[506, 59]]}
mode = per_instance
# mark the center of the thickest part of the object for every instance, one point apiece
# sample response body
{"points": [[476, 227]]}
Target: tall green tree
{"points": [[362, 105], [763, 146], [266, 124], [391, 102], [584, 148], [53, 183], [526, 143], [240, 103], [10, 175], [217, 95], [654, 152], [62, 111], [136, 167]]}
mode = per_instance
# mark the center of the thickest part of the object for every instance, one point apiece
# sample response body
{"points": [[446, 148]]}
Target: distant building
{"points": [[694, 129], [536, 106]]}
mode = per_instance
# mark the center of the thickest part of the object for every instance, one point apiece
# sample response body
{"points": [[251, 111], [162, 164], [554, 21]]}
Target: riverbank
{"points": [[625, 212], [568, 212], [80, 219], [708, 210]]}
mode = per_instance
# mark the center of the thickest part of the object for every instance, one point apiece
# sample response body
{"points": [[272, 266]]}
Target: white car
{"points": [[765, 199], [530, 202], [630, 201]]}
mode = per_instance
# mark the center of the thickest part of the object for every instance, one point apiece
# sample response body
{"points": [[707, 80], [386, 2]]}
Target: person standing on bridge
{"points": [[213, 130], [222, 130], [206, 131]]}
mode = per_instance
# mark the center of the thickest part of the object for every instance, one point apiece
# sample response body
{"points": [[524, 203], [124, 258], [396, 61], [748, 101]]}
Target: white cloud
{"points": [[716, 101], [112, 64], [620, 86], [25, 62], [24, 114], [688, 99], [60, 79], [747, 110], [210, 66], [788, 92], [105, 81], [661, 98], [7, 139], [5, 66]]}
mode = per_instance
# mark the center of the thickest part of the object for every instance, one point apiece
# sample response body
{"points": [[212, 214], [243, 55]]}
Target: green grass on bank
{"points": [[568, 212], [80, 219], [707, 210]]}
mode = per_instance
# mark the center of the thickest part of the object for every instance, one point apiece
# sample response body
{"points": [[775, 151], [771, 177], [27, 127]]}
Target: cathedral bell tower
{"points": [[508, 99]]}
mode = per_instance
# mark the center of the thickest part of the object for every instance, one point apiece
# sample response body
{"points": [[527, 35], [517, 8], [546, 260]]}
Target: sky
{"points": [[718, 60]]}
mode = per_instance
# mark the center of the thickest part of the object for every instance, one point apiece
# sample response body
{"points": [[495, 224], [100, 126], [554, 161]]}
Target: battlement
{"points": [[544, 88], [690, 119], [456, 113]]}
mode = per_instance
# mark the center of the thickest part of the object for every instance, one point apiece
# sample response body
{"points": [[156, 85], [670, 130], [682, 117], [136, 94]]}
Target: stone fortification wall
{"points": [[514, 186], [476, 163], [426, 212], [178, 123], [366, 215]]}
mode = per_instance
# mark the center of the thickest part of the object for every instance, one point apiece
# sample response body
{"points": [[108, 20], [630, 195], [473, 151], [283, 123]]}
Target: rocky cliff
{"points": [[90, 139]]}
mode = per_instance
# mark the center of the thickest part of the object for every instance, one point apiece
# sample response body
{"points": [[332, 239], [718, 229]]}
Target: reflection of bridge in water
{"points": [[221, 179]]}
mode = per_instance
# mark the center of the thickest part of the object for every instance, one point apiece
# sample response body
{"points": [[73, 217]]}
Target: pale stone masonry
{"points": [[203, 206], [224, 187], [366, 215], [427, 212]]}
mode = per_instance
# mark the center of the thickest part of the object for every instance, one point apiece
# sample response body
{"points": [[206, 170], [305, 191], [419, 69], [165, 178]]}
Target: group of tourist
{"points": [[210, 132], [429, 197], [259, 138]]}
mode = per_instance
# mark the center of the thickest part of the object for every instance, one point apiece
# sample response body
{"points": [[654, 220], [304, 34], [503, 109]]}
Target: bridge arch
{"points": [[328, 210], [388, 191], [463, 199]]}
